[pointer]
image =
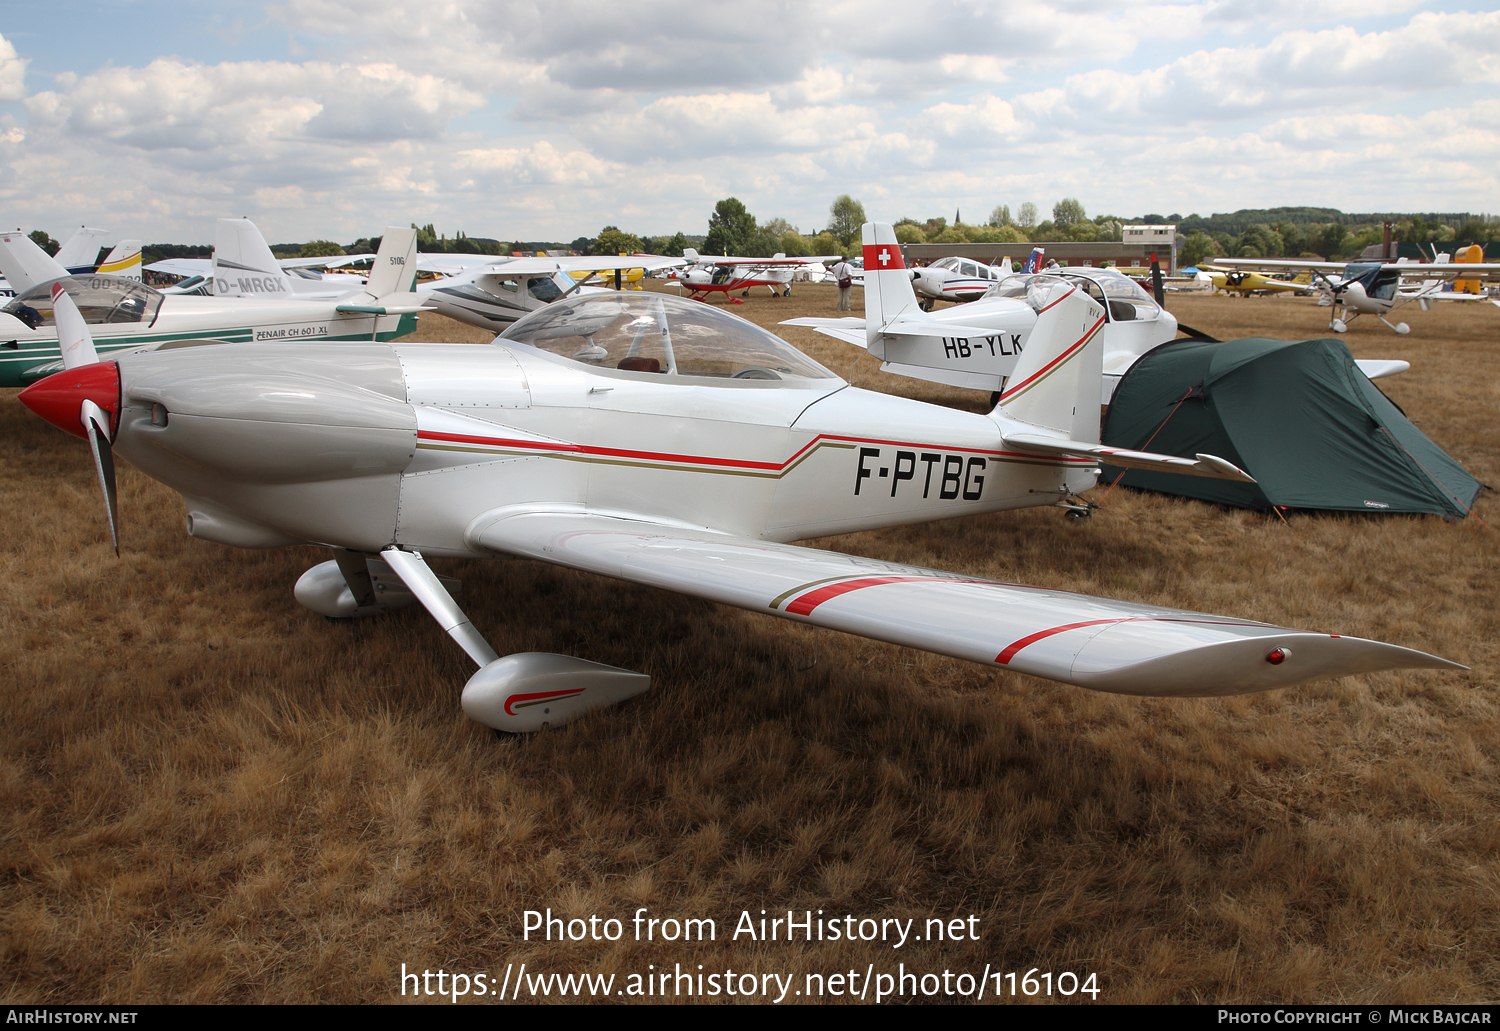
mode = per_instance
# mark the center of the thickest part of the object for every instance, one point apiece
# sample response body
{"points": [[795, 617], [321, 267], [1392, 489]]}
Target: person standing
{"points": [[843, 275]]}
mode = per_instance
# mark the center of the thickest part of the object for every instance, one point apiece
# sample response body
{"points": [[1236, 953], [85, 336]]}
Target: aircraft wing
{"points": [[849, 330], [1118, 646], [1276, 264], [591, 263], [333, 261], [183, 266]]}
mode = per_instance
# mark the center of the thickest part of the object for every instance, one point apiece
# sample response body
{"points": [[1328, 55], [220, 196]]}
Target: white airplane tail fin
{"points": [[691, 255], [888, 292], [395, 268], [124, 260], [81, 251], [1055, 389], [1056, 381], [244, 265], [24, 264]]}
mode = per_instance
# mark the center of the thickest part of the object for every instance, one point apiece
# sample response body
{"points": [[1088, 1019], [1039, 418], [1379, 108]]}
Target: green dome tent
{"points": [[1298, 416]]}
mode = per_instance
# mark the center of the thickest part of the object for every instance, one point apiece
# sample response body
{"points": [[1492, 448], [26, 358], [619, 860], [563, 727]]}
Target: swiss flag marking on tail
{"points": [[881, 256]]}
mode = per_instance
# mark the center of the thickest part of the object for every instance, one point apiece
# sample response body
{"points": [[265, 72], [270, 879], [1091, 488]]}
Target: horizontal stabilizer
{"points": [[1376, 368], [1119, 646], [926, 326], [850, 331], [1205, 465]]}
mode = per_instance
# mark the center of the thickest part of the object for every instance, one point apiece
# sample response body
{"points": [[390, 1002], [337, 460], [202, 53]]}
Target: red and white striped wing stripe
{"points": [[1092, 642]]}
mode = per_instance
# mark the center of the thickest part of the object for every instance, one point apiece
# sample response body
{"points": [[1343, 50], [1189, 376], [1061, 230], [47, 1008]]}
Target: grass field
{"points": [[211, 794]]}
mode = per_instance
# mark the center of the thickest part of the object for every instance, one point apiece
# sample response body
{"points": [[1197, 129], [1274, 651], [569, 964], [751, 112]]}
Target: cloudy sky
{"points": [[525, 120]]}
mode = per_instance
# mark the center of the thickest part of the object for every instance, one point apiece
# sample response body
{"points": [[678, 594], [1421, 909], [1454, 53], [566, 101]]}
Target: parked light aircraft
{"points": [[496, 294], [956, 279], [979, 345], [662, 442], [125, 314], [1377, 288], [241, 254], [721, 274], [81, 250], [1246, 282]]}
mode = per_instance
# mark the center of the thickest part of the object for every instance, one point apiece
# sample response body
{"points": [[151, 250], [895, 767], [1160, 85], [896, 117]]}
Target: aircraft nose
{"points": [[60, 396]]}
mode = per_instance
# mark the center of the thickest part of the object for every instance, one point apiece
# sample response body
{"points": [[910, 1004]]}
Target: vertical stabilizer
{"points": [[691, 255], [24, 264], [888, 292], [1057, 378], [244, 265], [81, 251], [1034, 262], [124, 260], [395, 268]]}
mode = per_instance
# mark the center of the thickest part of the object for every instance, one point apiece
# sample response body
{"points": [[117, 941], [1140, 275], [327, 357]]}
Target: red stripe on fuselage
{"points": [[738, 463]]}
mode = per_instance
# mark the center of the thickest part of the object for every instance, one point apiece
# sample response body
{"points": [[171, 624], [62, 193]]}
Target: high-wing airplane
{"points": [[1377, 288], [979, 345], [125, 314], [1247, 282], [496, 294], [721, 274], [654, 440]]}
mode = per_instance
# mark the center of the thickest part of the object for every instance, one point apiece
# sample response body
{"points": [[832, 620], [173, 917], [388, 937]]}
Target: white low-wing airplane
{"points": [[497, 293], [1377, 288], [979, 345], [721, 274], [125, 314], [655, 440], [961, 279]]}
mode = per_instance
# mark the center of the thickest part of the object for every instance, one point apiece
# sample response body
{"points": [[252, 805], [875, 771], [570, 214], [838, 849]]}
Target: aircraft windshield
{"points": [[101, 299], [946, 263], [653, 333], [1123, 296]]}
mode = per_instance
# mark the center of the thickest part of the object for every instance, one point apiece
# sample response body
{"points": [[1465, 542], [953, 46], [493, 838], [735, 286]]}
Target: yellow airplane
{"points": [[617, 279], [1246, 283]]}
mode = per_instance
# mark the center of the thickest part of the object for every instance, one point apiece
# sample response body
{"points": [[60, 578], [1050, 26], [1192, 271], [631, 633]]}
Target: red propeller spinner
{"points": [[59, 398]]}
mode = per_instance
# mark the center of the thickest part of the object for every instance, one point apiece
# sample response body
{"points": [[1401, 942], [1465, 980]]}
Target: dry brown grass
{"points": [[210, 794]]}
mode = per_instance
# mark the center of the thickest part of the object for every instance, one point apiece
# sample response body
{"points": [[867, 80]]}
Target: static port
{"points": [[158, 415]]}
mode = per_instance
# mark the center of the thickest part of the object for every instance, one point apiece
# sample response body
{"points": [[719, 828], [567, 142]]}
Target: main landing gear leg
{"points": [[522, 692]]}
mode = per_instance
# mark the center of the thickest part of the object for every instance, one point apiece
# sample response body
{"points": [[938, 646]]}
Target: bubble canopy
{"points": [[663, 335]]}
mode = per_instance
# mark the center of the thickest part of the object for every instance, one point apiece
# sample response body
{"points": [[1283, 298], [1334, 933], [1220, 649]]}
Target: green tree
{"points": [[1026, 216], [320, 249], [909, 232], [779, 227], [795, 245], [667, 246], [612, 241], [730, 228], [845, 216], [1000, 216], [1331, 241], [824, 243], [1067, 212], [1196, 248], [45, 242]]}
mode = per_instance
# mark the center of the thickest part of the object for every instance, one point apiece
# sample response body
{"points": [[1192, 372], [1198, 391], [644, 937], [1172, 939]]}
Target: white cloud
{"points": [[12, 72]]}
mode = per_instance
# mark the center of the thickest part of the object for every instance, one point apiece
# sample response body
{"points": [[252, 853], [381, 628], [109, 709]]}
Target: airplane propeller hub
{"points": [[59, 398]]}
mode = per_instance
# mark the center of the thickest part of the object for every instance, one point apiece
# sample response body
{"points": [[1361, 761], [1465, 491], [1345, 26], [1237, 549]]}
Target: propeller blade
{"points": [[73, 338], [96, 424]]}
